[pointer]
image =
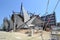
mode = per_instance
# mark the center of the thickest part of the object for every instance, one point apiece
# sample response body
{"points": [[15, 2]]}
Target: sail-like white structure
{"points": [[27, 20], [26, 17], [24, 14]]}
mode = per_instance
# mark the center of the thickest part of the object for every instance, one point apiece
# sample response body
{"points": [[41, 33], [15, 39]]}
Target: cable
{"points": [[56, 5], [47, 6]]}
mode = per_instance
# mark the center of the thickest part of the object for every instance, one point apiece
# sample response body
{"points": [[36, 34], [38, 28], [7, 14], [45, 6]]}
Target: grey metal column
{"points": [[14, 22]]}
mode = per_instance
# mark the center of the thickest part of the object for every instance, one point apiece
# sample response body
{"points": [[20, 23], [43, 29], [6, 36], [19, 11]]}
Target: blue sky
{"points": [[37, 6]]}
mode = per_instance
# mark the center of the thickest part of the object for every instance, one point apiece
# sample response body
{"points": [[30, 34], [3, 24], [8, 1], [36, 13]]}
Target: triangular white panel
{"points": [[25, 14]]}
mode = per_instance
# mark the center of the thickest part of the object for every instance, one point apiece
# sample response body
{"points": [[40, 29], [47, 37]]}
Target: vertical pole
{"points": [[14, 27], [14, 22], [32, 31], [42, 34]]}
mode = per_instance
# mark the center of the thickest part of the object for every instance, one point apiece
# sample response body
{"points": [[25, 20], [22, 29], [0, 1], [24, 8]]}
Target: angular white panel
{"points": [[25, 14]]}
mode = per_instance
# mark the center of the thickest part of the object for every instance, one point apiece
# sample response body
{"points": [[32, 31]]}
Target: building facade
{"points": [[58, 24], [50, 19]]}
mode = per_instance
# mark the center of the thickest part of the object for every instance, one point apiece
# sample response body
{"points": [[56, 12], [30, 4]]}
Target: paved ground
{"points": [[20, 36], [7, 36]]}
